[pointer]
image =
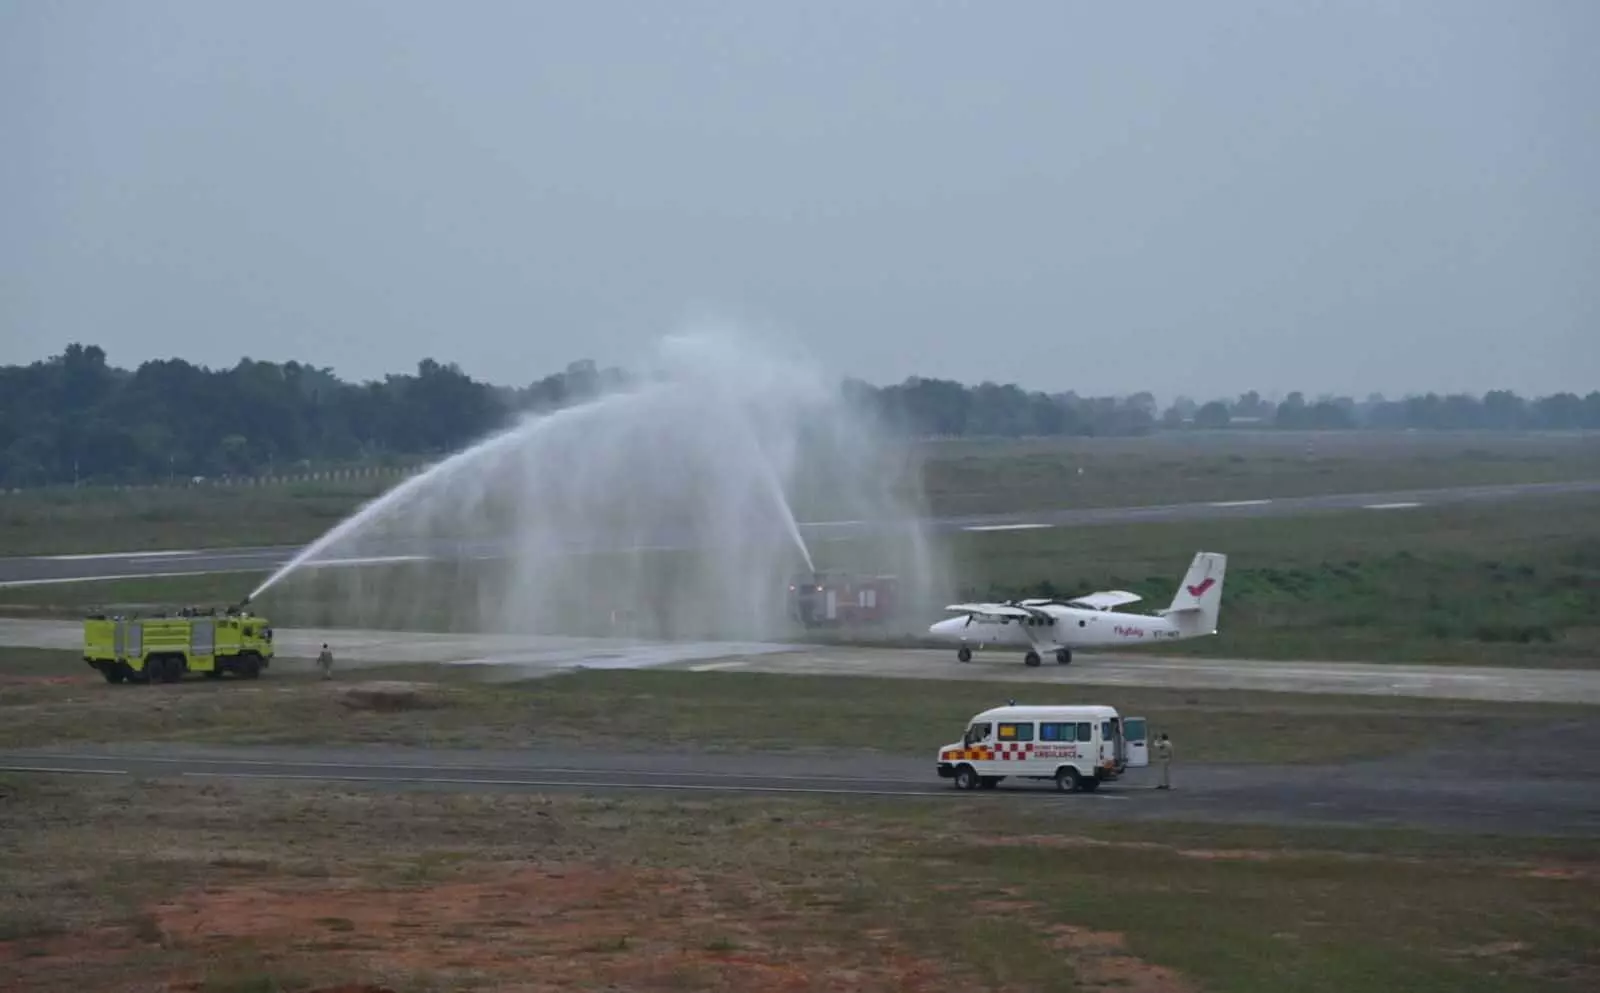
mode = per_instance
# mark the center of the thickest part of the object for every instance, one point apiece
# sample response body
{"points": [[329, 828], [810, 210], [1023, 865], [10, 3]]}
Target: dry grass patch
{"points": [[124, 885]]}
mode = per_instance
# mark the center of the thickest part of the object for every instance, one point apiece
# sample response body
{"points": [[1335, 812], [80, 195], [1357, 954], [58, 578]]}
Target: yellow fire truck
{"points": [[163, 647]]}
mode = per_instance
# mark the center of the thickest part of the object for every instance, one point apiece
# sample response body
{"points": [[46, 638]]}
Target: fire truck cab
{"points": [[830, 599]]}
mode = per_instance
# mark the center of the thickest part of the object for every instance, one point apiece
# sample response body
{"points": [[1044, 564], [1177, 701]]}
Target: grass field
{"points": [[150, 883], [1513, 583], [225, 889], [220, 888], [974, 476], [958, 477], [53, 698]]}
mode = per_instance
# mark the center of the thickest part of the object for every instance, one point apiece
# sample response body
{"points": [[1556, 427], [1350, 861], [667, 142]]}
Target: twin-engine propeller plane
{"points": [[1059, 626]]}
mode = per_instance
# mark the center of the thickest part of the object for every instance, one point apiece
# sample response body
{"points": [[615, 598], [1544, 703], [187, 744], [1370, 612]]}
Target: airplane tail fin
{"points": [[1199, 598]]}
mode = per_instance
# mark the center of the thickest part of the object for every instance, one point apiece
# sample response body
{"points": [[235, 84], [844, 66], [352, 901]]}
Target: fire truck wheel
{"points": [[1032, 658], [1063, 656], [964, 654], [1067, 780], [113, 672], [966, 778]]}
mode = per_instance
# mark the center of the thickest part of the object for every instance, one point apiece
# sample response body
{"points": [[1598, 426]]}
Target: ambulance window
{"points": [[1085, 731], [1016, 732], [1106, 731], [1056, 732], [977, 733]]}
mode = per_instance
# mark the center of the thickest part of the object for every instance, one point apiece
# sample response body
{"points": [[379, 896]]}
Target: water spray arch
{"points": [[662, 509]]}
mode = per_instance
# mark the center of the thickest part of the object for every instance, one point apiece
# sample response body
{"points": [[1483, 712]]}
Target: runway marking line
{"points": [[1239, 503], [712, 666], [570, 783], [1005, 527], [581, 784], [131, 575], [366, 560], [485, 781], [411, 767], [1403, 505], [89, 556], [62, 769]]}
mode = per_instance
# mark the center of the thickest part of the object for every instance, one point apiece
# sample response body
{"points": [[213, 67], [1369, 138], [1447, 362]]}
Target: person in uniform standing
{"points": [[1164, 756], [325, 662]]}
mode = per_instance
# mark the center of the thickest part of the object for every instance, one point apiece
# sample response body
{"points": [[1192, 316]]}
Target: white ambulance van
{"points": [[1078, 747]]}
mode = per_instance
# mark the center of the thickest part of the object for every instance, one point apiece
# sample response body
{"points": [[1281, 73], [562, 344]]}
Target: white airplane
{"points": [[1059, 626]]}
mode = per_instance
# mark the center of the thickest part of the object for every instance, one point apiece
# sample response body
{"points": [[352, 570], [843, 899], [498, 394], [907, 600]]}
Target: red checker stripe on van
{"points": [[1007, 751]]}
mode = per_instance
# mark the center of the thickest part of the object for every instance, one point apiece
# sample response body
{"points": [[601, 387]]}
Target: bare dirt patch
{"points": [[1072, 841], [1101, 963], [389, 696], [1579, 873], [526, 928]]}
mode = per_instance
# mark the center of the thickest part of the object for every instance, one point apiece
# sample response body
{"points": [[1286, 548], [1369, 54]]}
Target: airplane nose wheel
{"points": [[964, 654], [1032, 658], [1063, 656]]}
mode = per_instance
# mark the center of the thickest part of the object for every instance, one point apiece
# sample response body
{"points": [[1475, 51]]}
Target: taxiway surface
{"points": [[514, 657], [44, 570], [1430, 789]]}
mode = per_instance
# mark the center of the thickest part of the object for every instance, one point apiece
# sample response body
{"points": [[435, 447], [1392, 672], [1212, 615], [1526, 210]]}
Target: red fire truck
{"points": [[835, 599]]}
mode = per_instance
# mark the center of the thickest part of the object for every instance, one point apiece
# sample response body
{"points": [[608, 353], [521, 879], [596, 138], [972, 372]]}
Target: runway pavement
{"points": [[1520, 793], [43, 570], [513, 657]]}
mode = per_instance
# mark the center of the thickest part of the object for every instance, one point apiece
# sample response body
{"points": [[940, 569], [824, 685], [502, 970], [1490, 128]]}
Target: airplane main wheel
{"points": [[1032, 658], [964, 654], [1063, 656]]}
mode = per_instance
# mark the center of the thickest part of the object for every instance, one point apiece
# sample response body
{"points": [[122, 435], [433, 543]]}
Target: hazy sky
{"points": [[1193, 198]]}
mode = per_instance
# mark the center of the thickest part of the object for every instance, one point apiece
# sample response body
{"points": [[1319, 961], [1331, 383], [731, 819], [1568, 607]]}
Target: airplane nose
{"points": [[948, 628]]}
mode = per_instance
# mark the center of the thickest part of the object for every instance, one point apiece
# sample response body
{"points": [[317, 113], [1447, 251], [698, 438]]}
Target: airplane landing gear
{"points": [[1063, 656], [964, 654], [1032, 658]]}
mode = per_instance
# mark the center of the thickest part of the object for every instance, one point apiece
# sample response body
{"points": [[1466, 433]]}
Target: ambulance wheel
{"points": [[1090, 784], [1032, 658], [1063, 656], [964, 654], [1068, 780], [990, 782], [967, 778]]}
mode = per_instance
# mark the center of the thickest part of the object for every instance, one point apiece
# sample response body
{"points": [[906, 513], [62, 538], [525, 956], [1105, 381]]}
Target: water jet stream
{"points": [[702, 454]]}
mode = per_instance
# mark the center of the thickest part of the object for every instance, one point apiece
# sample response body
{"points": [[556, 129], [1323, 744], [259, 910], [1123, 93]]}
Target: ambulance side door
{"points": [[1135, 733]]}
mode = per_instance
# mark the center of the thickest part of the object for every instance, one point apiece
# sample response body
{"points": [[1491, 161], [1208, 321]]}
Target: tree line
{"points": [[75, 418]]}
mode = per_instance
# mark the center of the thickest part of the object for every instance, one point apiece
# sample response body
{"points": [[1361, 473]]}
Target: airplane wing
{"points": [[1105, 599], [992, 610]]}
